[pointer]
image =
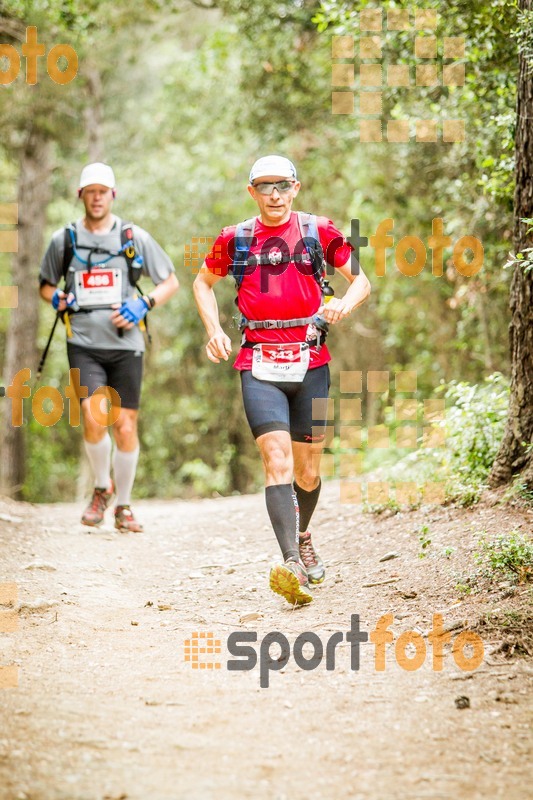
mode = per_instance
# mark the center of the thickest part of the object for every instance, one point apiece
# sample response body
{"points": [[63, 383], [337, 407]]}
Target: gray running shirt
{"points": [[94, 329]]}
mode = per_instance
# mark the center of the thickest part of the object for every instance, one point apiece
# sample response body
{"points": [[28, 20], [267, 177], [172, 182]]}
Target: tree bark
{"points": [[513, 455], [21, 350], [484, 328], [94, 114]]}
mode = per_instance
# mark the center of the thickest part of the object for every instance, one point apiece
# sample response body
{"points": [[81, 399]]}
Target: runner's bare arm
{"points": [[47, 292], [164, 290], [219, 344], [358, 291]]}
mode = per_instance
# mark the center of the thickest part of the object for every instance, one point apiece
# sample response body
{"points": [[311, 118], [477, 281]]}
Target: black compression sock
{"points": [[307, 503], [283, 512]]}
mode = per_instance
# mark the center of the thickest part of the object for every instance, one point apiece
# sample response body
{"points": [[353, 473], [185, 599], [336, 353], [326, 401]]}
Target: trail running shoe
{"points": [[94, 513], [290, 581], [311, 560], [125, 521]]}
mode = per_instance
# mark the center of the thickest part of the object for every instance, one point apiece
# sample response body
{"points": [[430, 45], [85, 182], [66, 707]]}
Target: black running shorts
{"points": [[121, 370], [287, 407]]}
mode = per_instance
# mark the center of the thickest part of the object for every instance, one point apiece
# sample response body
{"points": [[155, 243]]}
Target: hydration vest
{"points": [[244, 239], [127, 250], [134, 261]]}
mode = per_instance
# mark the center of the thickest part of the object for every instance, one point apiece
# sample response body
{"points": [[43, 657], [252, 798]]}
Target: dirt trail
{"points": [[107, 707]]}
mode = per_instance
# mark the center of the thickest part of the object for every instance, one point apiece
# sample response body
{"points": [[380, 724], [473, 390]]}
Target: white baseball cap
{"points": [[97, 173], [272, 165]]}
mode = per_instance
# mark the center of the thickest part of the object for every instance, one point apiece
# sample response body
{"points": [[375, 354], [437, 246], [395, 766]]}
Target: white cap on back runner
{"points": [[97, 173], [272, 165]]}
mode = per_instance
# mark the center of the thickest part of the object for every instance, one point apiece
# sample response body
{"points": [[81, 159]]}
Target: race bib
{"points": [[99, 287], [287, 363]]}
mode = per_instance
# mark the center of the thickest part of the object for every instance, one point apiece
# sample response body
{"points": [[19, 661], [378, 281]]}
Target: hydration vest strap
{"points": [[274, 324], [310, 236], [127, 250], [244, 239], [264, 258]]}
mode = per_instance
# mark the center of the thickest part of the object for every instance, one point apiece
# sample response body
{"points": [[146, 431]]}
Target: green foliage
{"points": [[285, 76], [433, 176], [524, 34], [474, 426], [524, 259], [507, 555], [424, 539], [519, 490], [391, 506], [53, 454], [487, 99]]}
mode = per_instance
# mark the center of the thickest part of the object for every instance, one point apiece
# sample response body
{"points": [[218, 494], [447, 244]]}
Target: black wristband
{"points": [[151, 300]]}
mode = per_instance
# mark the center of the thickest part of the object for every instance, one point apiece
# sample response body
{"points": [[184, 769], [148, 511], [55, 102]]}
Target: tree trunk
{"points": [[21, 350], [94, 114], [513, 455], [484, 329]]}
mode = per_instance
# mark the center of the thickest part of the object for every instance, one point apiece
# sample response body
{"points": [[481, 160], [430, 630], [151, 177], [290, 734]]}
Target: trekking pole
{"points": [[46, 349]]}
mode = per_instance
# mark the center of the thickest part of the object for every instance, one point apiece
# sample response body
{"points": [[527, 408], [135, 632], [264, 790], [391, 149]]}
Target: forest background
{"points": [[180, 98]]}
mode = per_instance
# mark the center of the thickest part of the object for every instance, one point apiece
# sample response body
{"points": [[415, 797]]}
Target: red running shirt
{"points": [[283, 291]]}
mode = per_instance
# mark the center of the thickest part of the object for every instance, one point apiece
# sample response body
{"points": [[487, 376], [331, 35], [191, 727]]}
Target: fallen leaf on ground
{"points": [[253, 615]]}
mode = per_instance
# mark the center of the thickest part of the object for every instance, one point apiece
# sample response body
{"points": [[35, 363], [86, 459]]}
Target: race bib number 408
{"points": [[99, 287]]}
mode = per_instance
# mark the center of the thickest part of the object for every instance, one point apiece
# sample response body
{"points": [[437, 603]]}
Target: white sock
{"points": [[99, 456], [124, 465]]}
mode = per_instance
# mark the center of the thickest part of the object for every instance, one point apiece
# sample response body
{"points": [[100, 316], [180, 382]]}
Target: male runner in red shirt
{"points": [[282, 361]]}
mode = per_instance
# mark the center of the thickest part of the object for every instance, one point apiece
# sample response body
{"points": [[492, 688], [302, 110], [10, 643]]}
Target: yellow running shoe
{"points": [[314, 565], [290, 581]]}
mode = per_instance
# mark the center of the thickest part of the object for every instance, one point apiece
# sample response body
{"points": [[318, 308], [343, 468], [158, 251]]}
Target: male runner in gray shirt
{"points": [[106, 344]]}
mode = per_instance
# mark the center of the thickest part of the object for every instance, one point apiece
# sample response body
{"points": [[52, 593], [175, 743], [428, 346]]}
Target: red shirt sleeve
{"points": [[220, 257], [337, 250]]}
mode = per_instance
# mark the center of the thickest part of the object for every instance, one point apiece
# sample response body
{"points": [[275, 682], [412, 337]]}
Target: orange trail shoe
{"points": [[125, 521], [94, 513], [290, 581]]}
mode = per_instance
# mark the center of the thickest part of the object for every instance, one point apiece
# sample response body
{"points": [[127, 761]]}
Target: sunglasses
{"points": [[268, 188]]}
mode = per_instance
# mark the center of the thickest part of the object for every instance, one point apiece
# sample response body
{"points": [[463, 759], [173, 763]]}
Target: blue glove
{"points": [[56, 298], [70, 299], [134, 310]]}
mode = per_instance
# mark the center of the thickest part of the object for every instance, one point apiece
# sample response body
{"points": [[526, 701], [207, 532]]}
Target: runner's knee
{"points": [[277, 459], [93, 431], [307, 477], [125, 429]]}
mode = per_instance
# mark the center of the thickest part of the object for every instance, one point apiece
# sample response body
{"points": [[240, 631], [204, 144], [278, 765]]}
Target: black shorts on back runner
{"points": [[271, 406], [122, 370]]}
